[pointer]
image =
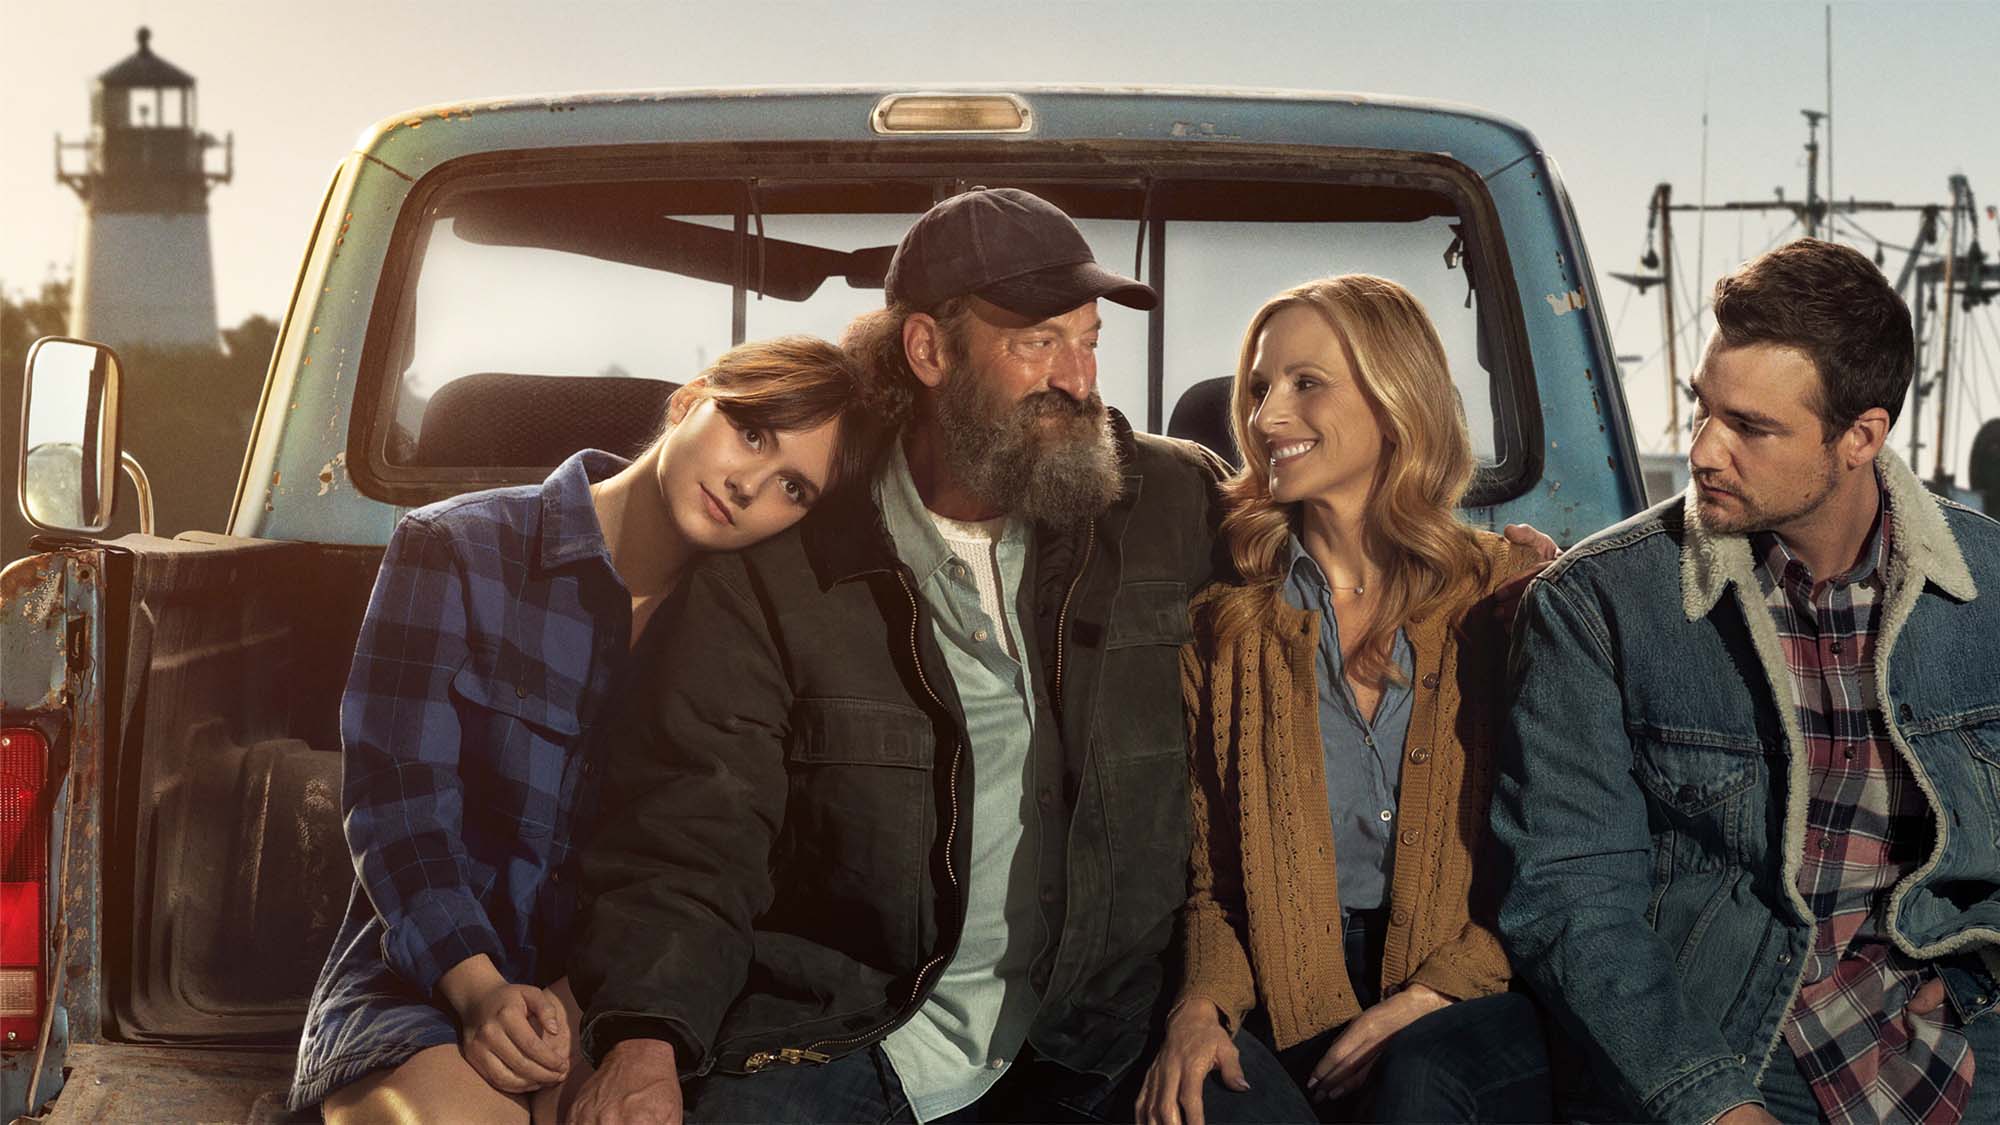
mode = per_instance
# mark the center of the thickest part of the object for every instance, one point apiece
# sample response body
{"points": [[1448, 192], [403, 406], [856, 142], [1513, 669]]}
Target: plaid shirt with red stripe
{"points": [[1865, 1056]]}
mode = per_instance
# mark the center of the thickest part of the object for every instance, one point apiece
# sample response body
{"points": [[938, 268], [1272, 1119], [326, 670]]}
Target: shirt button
{"points": [[520, 691], [1784, 958], [1387, 816], [958, 570], [997, 1064], [1837, 645], [1825, 841], [1410, 837], [1848, 753], [1420, 755], [1367, 740], [979, 634]]}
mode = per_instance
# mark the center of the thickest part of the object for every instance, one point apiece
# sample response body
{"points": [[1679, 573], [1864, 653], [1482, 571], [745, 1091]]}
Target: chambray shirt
{"points": [[1364, 759], [492, 637], [976, 1018]]}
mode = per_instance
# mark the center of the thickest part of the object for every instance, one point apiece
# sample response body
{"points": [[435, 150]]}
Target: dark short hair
{"points": [[1830, 302]]}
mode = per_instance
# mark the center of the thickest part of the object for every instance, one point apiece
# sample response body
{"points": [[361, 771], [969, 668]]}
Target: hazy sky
{"points": [[1614, 90]]}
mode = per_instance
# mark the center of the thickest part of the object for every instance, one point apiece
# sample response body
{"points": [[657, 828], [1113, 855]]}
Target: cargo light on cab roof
{"points": [[951, 113]]}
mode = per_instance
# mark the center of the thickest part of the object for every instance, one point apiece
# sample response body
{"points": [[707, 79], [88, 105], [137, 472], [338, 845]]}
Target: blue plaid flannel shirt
{"points": [[494, 631]]}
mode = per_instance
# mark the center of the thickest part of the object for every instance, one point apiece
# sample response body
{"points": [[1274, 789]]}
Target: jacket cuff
{"points": [[603, 1032], [432, 938], [1704, 1091]]}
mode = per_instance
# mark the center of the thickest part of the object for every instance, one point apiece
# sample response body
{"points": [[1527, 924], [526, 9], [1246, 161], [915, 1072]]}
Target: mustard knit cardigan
{"points": [[1262, 922]]}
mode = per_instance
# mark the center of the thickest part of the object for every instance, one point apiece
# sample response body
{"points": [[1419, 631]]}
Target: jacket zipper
{"points": [[814, 1053], [1062, 617]]}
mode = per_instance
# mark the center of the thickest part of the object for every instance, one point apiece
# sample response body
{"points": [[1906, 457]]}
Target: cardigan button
{"points": [[1410, 837], [1431, 680], [1399, 916], [1420, 755]]}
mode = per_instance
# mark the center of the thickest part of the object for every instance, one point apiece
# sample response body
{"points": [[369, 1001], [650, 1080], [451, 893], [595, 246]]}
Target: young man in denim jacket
{"points": [[1749, 773]]}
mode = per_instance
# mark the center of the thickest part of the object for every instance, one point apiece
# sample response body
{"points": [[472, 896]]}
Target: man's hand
{"points": [[1348, 1062], [515, 1036], [1749, 1113], [1196, 1044], [637, 1085], [1527, 536]]}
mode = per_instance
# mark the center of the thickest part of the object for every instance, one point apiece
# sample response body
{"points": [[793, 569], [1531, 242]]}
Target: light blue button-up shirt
{"points": [[976, 1018], [1364, 758]]}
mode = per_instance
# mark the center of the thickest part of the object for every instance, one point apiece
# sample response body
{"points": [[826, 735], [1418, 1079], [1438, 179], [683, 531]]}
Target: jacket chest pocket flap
{"points": [[1693, 773], [1150, 612], [507, 686], [861, 732]]}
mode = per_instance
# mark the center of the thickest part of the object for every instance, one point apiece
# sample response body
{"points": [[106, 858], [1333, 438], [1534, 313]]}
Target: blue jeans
{"points": [[1484, 1059], [863, 1087]]}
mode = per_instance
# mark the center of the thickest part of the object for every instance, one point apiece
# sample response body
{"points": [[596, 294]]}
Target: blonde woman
{"points": [[1341, 705]]}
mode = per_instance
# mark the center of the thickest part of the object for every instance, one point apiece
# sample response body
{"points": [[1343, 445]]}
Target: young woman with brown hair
{"points": [[499, 624]]}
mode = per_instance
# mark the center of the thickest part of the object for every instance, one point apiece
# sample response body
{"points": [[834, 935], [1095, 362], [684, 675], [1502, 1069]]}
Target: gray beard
{"points": [[1047, 458]]}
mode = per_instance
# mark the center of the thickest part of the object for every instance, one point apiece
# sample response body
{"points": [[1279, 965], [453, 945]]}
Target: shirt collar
{"points": [[1781, 566], [911, 531], [1305, 583], [568, 528]]}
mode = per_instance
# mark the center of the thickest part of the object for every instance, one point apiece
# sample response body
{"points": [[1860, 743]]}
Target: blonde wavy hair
{"points": [[1431, 559]]}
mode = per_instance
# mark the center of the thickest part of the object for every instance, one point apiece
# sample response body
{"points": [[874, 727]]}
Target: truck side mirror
{"points": [[69, 447]]}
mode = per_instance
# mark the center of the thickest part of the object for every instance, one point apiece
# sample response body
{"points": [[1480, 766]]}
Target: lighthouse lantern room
{"points": [[144, 278]]}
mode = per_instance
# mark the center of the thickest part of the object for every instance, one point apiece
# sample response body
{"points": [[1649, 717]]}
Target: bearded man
{"points": [[1751, 773], [898, 825]]}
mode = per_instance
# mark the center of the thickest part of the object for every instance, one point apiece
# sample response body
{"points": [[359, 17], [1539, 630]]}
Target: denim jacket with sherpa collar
{"points": [[1653, 792]]}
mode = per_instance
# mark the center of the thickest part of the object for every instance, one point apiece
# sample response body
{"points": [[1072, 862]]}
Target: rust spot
{"points": [[20, 577]]}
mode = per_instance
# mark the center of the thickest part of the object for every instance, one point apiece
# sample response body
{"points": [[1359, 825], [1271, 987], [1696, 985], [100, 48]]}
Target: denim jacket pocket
{"points": [[1704, 795], [1982, 741]]}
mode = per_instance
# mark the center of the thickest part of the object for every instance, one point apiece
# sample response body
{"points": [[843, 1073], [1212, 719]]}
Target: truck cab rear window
{"points": [[533, 319]]}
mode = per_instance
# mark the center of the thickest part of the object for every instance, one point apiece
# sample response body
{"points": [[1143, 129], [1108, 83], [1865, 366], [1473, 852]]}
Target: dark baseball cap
{"points": [[1010, 247]]}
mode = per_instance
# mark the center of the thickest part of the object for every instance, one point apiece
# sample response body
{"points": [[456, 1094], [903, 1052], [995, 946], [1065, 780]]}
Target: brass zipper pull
{"points": [[791, 1056]]}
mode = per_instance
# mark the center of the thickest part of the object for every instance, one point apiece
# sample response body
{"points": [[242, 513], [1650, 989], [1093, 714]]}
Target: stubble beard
{"points": [[1048, 458], [1754, 516]]}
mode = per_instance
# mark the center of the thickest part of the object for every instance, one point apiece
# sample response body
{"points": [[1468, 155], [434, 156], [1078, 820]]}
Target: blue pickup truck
{"points": [[493, 284]]}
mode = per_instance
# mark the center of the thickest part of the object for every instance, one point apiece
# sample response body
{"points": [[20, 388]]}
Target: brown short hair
{"points": [[1830, 302], [800, 382]]}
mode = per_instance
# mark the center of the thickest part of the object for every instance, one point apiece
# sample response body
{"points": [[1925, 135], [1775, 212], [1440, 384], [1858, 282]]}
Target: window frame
{"points": [[1518, 420]]}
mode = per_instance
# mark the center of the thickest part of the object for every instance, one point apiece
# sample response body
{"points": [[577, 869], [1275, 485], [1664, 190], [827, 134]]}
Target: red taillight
{"points": [[24, 872]]}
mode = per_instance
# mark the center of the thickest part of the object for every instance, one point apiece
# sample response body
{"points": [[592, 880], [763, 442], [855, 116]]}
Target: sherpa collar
{"points": [[1925, 549]]}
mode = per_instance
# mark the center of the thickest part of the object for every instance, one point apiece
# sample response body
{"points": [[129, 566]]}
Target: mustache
{"points": [[1056, 404]]}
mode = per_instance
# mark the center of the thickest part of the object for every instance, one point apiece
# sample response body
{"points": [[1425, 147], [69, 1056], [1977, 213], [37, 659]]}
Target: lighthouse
{"points": [[144, 278]]}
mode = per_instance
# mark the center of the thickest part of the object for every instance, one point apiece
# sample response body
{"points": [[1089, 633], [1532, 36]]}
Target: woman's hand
{"points": [[515, 1036], [1527, 536], [1196, 1044], [1348, 1062]]}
